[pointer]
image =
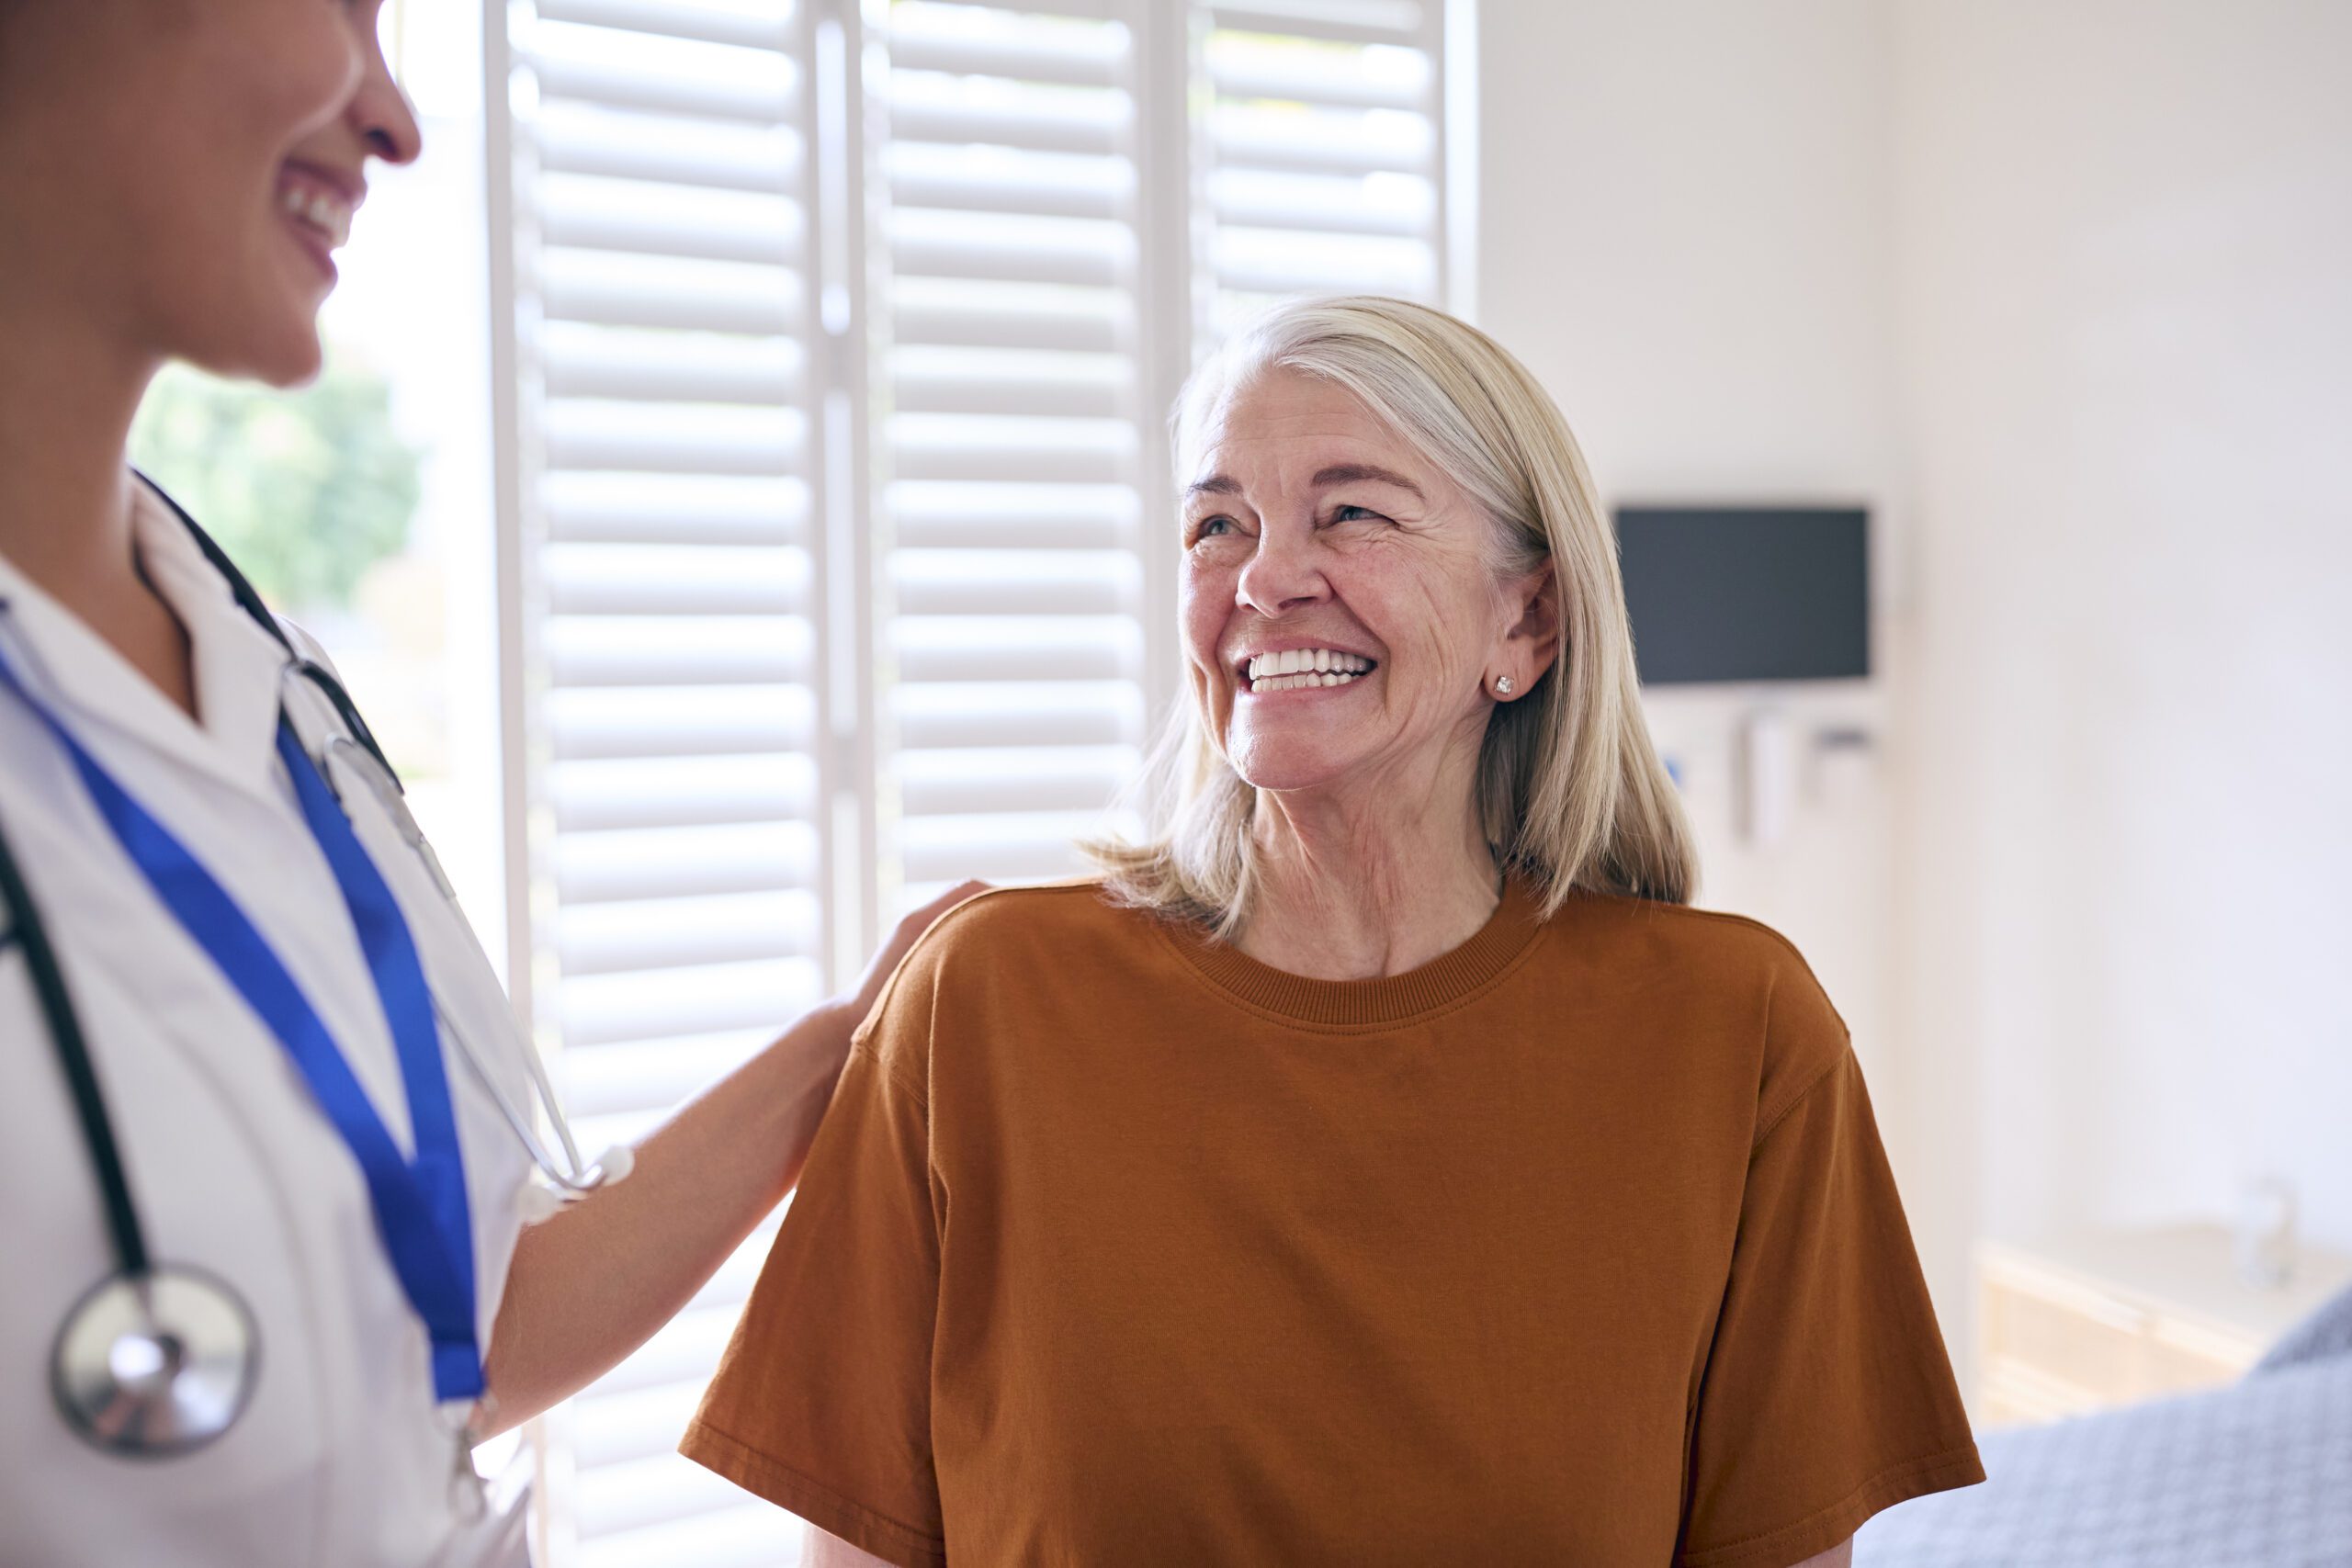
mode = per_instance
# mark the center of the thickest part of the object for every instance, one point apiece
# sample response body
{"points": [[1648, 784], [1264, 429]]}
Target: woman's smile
{"points": [[1317, 669]]}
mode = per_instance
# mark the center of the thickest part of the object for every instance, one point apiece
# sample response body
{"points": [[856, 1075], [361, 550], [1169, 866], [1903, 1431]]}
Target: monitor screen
{"points": [[1747, 592]]}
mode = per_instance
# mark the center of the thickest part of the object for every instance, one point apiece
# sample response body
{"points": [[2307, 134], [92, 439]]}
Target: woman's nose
{"points": [[381, 113], [1283, 574]]}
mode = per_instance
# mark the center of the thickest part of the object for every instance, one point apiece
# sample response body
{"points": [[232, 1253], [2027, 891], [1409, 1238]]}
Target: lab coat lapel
{"points": [[240, 666], [237, 664]]}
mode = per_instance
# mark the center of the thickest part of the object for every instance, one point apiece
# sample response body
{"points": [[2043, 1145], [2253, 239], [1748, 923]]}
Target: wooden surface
{"points": [[2090, 1320]]}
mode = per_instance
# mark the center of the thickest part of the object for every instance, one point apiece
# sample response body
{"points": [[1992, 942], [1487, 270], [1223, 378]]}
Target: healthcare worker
{"points": [[265, 1123]]}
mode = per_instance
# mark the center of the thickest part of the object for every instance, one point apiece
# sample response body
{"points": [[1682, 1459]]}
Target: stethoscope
{"points": [[160, 1358]]}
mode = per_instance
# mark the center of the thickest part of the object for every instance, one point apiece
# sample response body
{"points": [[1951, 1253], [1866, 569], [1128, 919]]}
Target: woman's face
{"points": [[185, 169], [1310, 526]]}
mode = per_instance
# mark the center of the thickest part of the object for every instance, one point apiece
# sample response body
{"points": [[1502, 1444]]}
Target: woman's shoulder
{"points": [[1740, 970], [1006, 929], [998, 952], [1004, 921], [1702, 942]]}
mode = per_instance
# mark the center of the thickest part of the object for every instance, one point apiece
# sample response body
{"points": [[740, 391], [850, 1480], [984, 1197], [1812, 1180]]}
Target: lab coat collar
{"points": [[238, 666]]}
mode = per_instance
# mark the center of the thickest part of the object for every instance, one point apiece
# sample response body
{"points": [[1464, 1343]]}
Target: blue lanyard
{"points": [[421, 1206]]}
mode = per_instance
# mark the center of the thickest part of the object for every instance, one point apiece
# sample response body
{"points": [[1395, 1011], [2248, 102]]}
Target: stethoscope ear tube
{"points": [[80, 1074]]}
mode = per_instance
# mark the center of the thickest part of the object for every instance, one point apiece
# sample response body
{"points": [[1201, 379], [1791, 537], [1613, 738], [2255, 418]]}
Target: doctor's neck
{"points": [[64, 482], [67, 397], [68, 393]]}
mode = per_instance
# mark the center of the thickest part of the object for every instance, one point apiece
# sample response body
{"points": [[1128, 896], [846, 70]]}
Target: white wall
{"points": [[2125, 273], [1684, 233], [2060, 291]]}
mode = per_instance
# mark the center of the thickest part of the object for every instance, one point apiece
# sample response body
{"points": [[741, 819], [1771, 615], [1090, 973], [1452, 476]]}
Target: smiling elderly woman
{"points": [[1383, 1165]]}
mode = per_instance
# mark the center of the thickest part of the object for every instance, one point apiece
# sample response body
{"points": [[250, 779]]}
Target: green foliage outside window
{"points": [[305, 490]]}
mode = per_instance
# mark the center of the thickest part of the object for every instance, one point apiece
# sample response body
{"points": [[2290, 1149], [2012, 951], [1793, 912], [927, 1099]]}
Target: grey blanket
{"points": [[2256, 1475]]}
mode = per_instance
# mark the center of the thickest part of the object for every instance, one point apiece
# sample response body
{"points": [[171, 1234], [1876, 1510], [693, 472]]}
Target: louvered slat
{"points": [[1036, 648], [1377, 204], [1084, 57], [673, 509], [994, 447], [1346, 21], [582, 139], [679, 295], [965, 118], [961, 784], [677, 722], [600, 1009], [621, 86], [985, 179], [1321, 123], [1037, 393], [1015, 516], [952, 313], [602, 939], [595, 213], [666, 650], [591, 794], [766, 26], [1321, 80]]}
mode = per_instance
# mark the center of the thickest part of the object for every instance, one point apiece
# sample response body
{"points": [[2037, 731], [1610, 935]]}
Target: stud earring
{"points": [[1502, 686]]}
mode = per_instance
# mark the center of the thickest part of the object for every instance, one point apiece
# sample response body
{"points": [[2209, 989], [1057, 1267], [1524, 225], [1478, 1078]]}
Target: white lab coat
{"points": [[342, 1459]]}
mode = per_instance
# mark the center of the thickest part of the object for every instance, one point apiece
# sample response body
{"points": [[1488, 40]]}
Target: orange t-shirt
{"points": [[1116, 1247]]}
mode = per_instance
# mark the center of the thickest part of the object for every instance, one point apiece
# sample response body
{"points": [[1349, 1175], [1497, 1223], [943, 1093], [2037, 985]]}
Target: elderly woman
{"points": [[1383, 1165]]}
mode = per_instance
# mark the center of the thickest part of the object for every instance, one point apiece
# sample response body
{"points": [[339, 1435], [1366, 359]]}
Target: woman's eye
{"points": [[1354, 514], [1211, 528]]}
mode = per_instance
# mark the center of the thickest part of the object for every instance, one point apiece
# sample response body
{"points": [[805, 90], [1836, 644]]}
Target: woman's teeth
{"points": [[1305, 667], [315, 210]]}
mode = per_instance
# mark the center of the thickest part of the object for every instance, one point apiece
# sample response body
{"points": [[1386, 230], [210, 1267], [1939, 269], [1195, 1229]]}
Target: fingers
{"points": [[918, 920], [902, 937]]}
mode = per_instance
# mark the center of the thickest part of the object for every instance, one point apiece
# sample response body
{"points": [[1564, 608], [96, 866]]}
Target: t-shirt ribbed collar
{"points": [[1391, 1000]]}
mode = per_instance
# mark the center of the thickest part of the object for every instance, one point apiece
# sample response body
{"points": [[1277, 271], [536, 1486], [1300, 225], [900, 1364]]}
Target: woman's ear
{"points": [[1534, 636]]}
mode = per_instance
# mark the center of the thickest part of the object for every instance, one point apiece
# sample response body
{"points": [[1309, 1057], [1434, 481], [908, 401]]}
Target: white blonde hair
{"points": [[1570, 791]]}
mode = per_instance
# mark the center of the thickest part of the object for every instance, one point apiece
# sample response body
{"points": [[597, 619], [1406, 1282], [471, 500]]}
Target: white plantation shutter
{"points": [[661, 393], [833, 342], [1015, 434], [1322, 152]]}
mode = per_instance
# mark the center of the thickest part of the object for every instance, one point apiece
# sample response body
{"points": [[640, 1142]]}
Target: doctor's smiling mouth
{"points": [[318, 204]]}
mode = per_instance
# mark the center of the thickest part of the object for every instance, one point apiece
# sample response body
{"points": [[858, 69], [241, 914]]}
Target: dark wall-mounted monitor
{"points": [[1747, 592]]}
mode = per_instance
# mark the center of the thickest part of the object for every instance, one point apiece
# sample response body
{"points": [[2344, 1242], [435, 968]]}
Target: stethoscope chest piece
{"points": [[155, 1364]]}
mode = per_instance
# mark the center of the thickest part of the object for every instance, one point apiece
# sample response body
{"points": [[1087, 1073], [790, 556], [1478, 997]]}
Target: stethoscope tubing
{"points": [[123, 1227]]}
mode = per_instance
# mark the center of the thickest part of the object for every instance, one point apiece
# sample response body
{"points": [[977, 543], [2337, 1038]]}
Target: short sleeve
{"points": [[822, 1401], [1826, 1396]]}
